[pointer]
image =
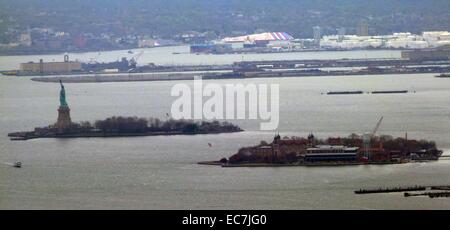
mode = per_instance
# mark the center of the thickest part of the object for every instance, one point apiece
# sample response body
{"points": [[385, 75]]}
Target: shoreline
{"points": [[218, 76], [5, 53], [22, 136], [254, 165]]}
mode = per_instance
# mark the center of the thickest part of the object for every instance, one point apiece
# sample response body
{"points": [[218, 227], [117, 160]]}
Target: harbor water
{"points": [[160, 172]]}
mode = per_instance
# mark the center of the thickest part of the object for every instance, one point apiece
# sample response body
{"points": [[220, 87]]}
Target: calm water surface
{"points": [[161, 172]]}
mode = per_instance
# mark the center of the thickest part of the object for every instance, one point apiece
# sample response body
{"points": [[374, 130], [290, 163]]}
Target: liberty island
{"points": [[118, 126]]}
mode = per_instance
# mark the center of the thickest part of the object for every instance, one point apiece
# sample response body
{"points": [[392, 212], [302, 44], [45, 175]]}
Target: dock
{"points": [[409, 189], [389, 190], [371, 92], [429, 194]]}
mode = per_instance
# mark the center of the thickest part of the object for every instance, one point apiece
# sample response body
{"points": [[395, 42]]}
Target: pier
{"points": [[389, 190], [429, 194], [442, 190]]}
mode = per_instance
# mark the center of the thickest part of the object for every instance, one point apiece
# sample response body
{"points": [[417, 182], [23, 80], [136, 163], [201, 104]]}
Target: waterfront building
{"points": [[218, 48], [285, 148], [341, 33], [145, 43], [25, 39], [51, 67], [440, 53], [404, 40], [436, 38], [335, 153], [317, 35]]}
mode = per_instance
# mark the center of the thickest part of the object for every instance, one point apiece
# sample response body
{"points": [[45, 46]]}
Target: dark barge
{"points": [[388, 190], [389, 91], [344, 92]]}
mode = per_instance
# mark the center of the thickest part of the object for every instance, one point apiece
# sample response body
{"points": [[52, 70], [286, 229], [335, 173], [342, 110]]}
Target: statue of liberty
{"points": [[64, 120], [62, 96]]}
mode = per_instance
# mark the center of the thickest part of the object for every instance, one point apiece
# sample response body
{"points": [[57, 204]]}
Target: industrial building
{"points": [[437, 38], [406, 40], [219, 48], [51, 67], [331, 153], [436, 54], [317, 32]]}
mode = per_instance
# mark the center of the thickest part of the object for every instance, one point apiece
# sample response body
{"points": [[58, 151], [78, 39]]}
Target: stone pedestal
{"points": [[64, 120]]}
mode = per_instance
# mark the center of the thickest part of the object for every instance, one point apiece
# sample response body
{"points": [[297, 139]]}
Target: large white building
{"points": [[396, 41], [437, 38], [269, 36]]}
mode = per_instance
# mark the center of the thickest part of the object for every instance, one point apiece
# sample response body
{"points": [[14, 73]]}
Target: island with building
{"points": [[118, 126], [334, 151]]}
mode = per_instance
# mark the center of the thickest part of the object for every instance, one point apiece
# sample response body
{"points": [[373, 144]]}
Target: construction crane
{"points": [[376, 127], [367, 137]]}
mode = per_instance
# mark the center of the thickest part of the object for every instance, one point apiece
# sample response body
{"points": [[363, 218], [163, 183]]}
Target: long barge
{"points": [[344, 92], [409, 189], [372, 92], [389, 91]]}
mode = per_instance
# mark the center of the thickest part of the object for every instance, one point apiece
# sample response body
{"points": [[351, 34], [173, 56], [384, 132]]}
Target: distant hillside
{"points": [[166, 18]]}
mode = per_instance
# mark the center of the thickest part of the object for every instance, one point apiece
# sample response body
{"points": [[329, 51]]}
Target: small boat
{"points": [[18, 164], [10, 73], [444, 75]]}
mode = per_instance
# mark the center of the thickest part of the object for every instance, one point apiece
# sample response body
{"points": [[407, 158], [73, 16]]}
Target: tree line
{"points": [[119, 124]]}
